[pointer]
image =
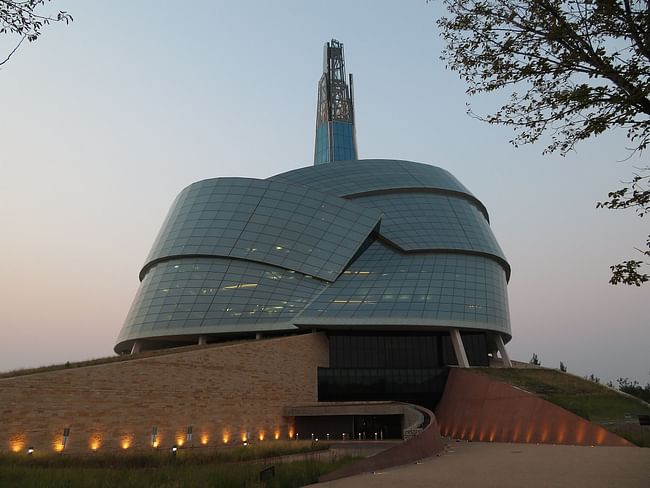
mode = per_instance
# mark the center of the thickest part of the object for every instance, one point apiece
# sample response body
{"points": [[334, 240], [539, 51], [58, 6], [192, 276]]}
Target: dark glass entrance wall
{"points": [[349, 427], [409, 367]]}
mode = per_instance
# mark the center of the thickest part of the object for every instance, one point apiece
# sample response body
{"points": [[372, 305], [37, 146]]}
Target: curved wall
{"points": [[375, 244], [476, 407], [291, 226]]}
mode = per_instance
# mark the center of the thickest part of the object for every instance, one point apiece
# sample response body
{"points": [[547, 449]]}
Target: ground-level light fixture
{"points": [[30, 450], [174, 450], [66, 434]]}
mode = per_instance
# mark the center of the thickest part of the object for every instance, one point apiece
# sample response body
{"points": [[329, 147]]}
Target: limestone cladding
{"points": [[225, 392]]}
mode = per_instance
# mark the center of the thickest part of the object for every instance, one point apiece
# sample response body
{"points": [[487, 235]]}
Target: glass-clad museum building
{"points": [[394, 260], [387, 250]]}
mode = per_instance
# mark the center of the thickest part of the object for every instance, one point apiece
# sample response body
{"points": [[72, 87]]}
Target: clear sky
{"points": [[104, 121]]}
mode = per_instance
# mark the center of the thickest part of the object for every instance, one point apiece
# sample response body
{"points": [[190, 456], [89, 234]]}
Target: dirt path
{"points": [[499, 465]]}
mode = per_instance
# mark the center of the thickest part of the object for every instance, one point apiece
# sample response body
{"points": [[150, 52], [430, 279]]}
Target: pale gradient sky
{"points": [[104, 121]]}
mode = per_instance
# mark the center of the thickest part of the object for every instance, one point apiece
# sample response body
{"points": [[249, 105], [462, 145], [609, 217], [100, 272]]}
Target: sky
{"points": [[104, 121]]}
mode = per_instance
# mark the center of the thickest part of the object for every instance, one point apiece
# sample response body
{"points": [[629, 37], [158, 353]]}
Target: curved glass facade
{"points": [[430, 221], [370, 245], [345, 178], [291, 226], [217, 295], [385, 288]]}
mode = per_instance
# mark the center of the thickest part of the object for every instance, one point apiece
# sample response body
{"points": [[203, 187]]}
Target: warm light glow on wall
{"points": [[515, 433], [204, 439], [17, 446], [155, 443], [276, 435], [180, 441], [261, 436], [561, 433], [290, 433], [58, 446], [544, 437], [126, 441], [529, 434], [95, 441], [243, 437], [225, 437]]}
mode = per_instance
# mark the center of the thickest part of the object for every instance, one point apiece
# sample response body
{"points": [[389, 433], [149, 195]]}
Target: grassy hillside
{"points": [[592, 401]]}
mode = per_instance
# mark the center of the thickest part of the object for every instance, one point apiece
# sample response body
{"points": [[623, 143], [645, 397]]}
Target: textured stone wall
{"points": [[478, 408], [222, 391]]}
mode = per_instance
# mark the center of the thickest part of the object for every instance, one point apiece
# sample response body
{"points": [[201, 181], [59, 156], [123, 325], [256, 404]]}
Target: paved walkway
{"points": [[503, 465]]}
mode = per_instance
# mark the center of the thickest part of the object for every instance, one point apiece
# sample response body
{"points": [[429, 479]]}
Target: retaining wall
{"points": [[222, 391], [478, 408]]}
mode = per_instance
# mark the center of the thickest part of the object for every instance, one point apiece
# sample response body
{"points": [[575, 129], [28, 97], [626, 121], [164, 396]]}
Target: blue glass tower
{"points": [[335, 133]]}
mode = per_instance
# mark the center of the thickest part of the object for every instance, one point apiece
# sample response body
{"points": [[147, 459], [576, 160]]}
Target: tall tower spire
{"points": [[336, 138]]}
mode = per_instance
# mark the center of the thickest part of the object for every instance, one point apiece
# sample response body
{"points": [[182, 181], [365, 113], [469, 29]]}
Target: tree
{"points": [[575, 69], [634, 388], [563, 367], [535, 360], [20, 18], [593, 378]]}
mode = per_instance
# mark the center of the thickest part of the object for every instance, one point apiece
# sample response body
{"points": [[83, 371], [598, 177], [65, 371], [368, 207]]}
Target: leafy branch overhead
{"points": [[20, 18], [574, 69]]}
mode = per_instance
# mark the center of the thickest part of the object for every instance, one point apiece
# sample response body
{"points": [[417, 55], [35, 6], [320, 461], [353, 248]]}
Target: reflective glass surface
{"points": [[420, 221], [342, 144], [321, 147], [239, 255], [409, 367], [291, 226], [384, 286], [350, 177], [211, 295]]}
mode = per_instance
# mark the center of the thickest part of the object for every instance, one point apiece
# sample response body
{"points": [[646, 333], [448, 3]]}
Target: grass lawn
{"points": [[238, 467], [592, 401], [294, 474]]}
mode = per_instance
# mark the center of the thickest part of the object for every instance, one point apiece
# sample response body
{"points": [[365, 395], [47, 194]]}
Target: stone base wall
{"points": [[478, 408], [225, 392]]}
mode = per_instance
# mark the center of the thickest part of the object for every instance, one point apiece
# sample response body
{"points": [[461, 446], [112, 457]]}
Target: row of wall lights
{"points": [[155, 441]]}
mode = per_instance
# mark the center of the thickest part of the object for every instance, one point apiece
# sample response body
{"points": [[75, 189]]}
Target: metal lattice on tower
{"points": [[335, 132]]}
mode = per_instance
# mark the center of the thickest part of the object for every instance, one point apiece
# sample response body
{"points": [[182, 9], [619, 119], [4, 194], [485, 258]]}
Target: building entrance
{"points": [[349, 427]]}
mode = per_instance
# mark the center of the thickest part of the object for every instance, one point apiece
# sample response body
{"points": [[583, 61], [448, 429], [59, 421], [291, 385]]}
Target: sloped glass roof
{"points": [[286, 225]]}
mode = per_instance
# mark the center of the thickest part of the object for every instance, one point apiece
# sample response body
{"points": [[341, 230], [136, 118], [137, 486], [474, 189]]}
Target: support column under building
{"points": [[203, 340], [136, 347], [503, 353], [459, 349]]}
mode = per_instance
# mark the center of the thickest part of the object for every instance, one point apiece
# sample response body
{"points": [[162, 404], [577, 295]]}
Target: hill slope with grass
{"points": [[615, 411]]}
